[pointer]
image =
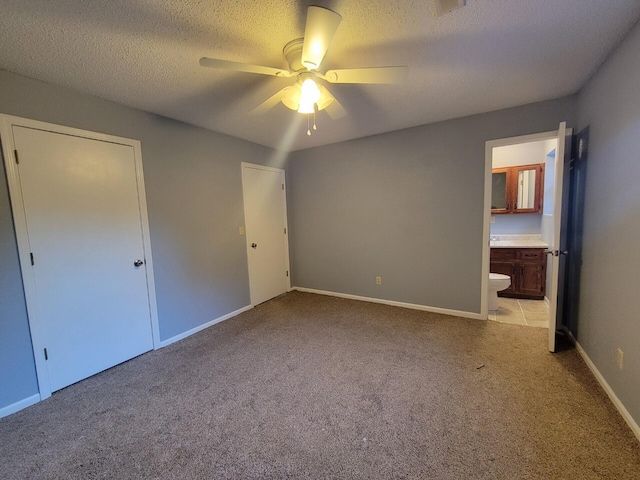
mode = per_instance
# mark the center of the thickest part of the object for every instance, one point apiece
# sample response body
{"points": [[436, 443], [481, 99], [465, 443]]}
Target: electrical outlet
{"points": [[241, 230], [620, 359], [493, 219], [378, 280]]}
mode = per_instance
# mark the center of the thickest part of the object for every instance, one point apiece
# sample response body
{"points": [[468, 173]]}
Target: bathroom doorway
{"points": [[523, 196]]}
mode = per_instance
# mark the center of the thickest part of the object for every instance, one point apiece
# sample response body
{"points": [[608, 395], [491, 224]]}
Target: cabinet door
{"points": [[505, 268], [532, 279], [532, 272], [500, 190], [527, 194]]}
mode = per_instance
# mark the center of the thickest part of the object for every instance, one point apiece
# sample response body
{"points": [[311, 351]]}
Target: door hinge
{"points": [[46, 355], [15, 153], [32, 261], [285, 231], [283, 186], [287, 273]]}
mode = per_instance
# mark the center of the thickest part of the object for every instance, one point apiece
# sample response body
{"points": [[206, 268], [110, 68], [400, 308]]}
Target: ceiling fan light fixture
{"points": [[304, 56], [306, 107], [324, 102], [309, 96]]}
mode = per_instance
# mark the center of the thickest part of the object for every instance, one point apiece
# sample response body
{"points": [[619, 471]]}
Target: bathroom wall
{"points": [[520, 224], [521, 154], [549, 180]]}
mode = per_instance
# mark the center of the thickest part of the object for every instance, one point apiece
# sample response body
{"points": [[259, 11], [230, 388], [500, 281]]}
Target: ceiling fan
{"points": [[304, 56]]}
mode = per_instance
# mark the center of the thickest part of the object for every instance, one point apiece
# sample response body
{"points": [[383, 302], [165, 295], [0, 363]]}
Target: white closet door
{"points": [[266, 222], [85, 233]]}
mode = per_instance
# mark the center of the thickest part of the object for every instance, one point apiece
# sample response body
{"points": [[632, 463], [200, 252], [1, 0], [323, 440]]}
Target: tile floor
{"points": [[534, 313]]}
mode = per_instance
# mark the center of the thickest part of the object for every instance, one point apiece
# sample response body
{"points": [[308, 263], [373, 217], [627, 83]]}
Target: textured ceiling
{"points": [[488, 55]]}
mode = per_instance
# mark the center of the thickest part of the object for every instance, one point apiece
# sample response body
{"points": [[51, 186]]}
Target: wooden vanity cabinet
{"points": [[518, 189], [527, 268]]}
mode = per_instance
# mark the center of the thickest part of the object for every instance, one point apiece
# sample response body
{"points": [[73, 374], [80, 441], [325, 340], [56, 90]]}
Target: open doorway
{"points": [[521, 228], [523, 209], [539, 267]]}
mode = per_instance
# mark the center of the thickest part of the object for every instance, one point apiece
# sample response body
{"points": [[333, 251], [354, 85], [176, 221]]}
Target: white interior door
{"points": [[83, 218], [555, 247], [266, 229]]}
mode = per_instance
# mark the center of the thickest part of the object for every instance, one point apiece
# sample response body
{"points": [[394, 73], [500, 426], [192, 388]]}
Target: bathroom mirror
{"points": [[526, 189]]}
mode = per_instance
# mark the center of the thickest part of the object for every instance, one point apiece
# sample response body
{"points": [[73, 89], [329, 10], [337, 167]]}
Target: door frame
{"points": [[486, 231], [244, 165], [36, 328]]}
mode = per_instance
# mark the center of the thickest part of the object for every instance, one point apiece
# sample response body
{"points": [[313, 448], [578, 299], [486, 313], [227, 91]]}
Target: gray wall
{"points": [[17, 369], [194, 195], [609, 308], [406, 206]]}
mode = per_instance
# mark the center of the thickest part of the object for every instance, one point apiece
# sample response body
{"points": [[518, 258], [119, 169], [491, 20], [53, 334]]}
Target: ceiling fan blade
{"points": [[322, 24], [243, 67], [330, 104], [373, 75], [270, 102]]}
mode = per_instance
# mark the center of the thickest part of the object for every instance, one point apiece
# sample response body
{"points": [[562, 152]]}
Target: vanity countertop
{"points": [[516, 241]]}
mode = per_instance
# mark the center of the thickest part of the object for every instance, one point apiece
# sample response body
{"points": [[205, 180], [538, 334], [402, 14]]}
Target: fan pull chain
{"points": [[315, 127]]}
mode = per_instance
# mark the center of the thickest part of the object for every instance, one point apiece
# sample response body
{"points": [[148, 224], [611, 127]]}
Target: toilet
{"points": [[497, 283]]}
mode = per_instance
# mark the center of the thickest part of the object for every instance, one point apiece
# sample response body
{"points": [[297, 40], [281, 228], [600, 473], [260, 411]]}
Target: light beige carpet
{"points": [[308, 386]]}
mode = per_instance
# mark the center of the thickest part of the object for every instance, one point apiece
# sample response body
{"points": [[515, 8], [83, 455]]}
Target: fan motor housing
{"points": [[293, 53]]}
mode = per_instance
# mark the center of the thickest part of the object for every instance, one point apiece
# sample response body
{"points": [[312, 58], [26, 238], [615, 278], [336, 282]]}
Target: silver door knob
{"points": [[137, 263], [556, 253], [254, 245]]}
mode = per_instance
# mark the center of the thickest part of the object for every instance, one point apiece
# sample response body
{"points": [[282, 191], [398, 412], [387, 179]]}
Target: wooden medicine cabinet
{"points": [[517, 189]]}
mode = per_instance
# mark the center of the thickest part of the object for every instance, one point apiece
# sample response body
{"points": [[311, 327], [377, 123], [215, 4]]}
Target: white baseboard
{"points": [[413, 306], [188, 333], [612, 396], [24, 403]]}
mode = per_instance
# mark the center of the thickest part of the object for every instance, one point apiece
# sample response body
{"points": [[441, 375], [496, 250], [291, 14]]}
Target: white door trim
{"points": [[244, 165], [7, 122]]}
